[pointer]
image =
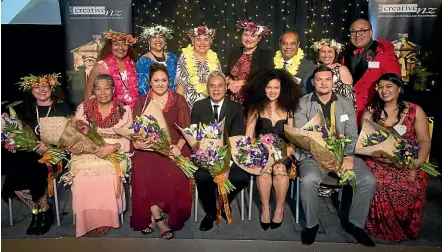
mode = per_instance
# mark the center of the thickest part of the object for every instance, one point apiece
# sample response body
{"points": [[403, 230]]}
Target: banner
{"points": [[85, 21], [410, 26]]}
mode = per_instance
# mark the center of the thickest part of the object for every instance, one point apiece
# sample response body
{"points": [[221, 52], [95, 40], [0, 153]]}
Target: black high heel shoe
{"points": [[275, 225], [264, 225]]}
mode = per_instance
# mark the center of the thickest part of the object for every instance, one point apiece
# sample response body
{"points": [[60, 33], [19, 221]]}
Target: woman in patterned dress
{"points": [[195, 64], [328, 52], [397, 209], [117, 58], [244, 61], [156, 37]]}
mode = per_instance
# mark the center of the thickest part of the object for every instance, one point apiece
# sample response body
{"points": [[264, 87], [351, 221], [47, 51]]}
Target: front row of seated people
{"points": [[386, 202]]}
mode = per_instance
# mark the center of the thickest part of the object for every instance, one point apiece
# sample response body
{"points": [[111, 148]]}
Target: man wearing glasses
{"points": [[367, 60]]}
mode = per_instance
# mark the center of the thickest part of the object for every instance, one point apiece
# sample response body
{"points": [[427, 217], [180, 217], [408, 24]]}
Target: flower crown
{"points": [[156, 30], [33, 81], [252, 27], [201, 30], [116, 36], [317, 45]]}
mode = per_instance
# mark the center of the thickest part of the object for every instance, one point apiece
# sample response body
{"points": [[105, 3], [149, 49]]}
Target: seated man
{"points": [[311, 175], [217, 107]]}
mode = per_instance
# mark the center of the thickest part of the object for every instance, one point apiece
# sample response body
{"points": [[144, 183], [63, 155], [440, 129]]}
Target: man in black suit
{"points": [[216, 107]]}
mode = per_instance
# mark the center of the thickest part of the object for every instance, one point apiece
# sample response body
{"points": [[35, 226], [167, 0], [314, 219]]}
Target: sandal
{"points": [[166, 234], [151, 228]]}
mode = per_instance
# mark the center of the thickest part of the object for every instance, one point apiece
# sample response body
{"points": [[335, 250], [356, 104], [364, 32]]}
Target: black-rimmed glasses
{"points": [[361, 32]]}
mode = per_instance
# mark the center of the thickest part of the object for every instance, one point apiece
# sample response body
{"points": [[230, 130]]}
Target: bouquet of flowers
{"points": [[17, 136], [376, 141], [211, 152], [250, 155], [152, 128], [324, 144], [79, 131]]}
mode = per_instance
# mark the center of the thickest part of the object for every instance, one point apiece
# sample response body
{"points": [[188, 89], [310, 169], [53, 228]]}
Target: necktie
{"points": [[284, 64], [358, 51], [215, 112]]}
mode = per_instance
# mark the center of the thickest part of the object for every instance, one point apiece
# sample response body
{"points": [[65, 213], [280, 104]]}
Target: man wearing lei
{"points": [[292, 58], [117, 58], [195, 64]]}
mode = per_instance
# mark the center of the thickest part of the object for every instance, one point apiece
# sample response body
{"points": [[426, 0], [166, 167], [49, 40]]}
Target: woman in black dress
{"points": [[271, 98], [27, 178]]}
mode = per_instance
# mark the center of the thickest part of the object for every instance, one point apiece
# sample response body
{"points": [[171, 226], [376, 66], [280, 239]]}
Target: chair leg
{"points": [[73, 218], [340, 197], [297, 200], [121, 217], [57, 211], [292, 188], [250, 197], [196, 204], [11, 221], [242, 204]]}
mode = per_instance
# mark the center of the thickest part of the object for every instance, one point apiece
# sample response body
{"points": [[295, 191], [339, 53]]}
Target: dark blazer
{"points": [[261, 59], [202, 112]]}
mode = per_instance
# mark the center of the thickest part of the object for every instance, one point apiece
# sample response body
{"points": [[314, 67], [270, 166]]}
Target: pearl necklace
{"points": [[38, 117]]}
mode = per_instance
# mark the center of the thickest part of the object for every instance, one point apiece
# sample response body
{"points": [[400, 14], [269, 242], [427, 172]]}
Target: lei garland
{"points": [[194, 80], [93, 115], [292, 67]]}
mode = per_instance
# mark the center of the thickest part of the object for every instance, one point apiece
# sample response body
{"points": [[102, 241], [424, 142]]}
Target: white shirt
{"points": [[220, 104], [287, 61]]}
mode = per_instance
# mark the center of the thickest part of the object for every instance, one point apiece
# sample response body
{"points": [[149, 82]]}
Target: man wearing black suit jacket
{"points": [[216, 107]]}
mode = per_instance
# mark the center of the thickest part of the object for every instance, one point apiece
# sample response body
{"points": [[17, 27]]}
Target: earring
{"points": [[165, 48]]}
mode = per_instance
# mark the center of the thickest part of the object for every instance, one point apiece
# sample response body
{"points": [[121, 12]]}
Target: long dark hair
{"points": [[107, 50], [377, 105], [255, 95]]}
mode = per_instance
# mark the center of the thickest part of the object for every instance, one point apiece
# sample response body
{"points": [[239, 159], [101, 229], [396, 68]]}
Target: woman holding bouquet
{"points": [[397, 209], [96, 199], [195, 64], [28, 179], [271, 98], [158, 184], [116, 59]]}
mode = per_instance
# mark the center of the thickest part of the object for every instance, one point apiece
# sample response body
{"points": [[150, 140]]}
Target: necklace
{"points": [[159, 59], [38, 117]]}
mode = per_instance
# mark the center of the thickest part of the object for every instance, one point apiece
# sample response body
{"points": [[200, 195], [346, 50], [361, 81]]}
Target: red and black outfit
{"points": [[365, 74], [397, 210]]}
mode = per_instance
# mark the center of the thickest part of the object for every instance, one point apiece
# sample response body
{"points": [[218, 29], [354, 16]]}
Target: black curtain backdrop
{"points": [[312, 19]]}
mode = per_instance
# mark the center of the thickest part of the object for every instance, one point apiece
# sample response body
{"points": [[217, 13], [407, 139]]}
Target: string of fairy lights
{"points": [[312, 19]]}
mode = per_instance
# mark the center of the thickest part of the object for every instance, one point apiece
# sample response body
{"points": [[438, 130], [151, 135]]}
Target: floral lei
{"points": [[93, 115], [127, 96], [194, 80], [292, 67]]}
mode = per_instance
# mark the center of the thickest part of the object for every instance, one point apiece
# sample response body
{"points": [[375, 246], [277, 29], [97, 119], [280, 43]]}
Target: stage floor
{"points": [[288, 234]]}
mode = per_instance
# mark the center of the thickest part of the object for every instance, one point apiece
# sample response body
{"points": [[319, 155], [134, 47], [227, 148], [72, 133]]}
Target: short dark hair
{"points": [[288, 32], [321, 68], [155, 67], [365, 20]]}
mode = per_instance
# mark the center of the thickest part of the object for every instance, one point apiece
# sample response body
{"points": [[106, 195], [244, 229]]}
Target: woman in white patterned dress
{"points": [[195, 64]]}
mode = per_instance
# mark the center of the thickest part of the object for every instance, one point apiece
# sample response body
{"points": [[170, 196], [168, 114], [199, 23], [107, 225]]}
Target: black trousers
{"points": [[207, 188]]}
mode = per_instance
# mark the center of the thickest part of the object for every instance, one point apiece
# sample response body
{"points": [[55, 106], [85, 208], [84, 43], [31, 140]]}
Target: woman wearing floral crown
{"points": [[156, 37], [328, 51], [117, 58], [245, 60], [28, 179], [195, 64]]}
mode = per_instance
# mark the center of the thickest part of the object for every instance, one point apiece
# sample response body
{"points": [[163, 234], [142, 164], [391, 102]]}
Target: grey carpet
{"points": [[330, 230]]}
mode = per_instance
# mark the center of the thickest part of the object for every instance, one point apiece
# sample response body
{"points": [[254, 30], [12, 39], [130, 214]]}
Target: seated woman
{"points": [[95, 198], [397, 209], [328, 51], [158, 184], [27, 178], [271, 98]]}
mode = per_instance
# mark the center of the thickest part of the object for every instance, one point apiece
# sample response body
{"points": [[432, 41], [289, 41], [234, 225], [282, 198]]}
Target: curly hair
{"points": [[255, 94], [107, 50], [377, 105]]}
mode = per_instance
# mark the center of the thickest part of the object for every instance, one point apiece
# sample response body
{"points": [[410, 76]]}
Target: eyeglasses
{"points": [[361, 32]]}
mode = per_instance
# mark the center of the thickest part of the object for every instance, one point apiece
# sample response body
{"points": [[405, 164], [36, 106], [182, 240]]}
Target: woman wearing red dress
{"points": [[158, 184], [397, 209]]}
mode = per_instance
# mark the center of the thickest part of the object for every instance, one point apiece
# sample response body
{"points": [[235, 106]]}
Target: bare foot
{"points": [[278, 215], [265, 214]]}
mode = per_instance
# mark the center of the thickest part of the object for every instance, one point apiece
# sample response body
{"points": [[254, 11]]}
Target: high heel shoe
{"points": [[275, 225], [264, 225]]}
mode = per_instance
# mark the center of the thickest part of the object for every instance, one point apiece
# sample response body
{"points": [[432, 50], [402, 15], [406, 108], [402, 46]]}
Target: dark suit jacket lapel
{"points": [[222, 112], [362, 66], [208, 111]]}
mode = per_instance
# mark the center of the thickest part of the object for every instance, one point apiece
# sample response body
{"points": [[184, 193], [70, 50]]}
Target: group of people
{"points": [[257, 94]]}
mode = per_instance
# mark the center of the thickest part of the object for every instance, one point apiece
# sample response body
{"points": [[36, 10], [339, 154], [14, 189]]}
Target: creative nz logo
{"points": [[406, 8], [94, 11]]}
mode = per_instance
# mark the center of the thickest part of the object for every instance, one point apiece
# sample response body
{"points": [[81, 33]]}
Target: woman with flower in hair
{"points": [[328, 51], [271, 98], [117, 58], [28, 179], [397, 210], [156, 37], [195, 64], [244, 61]]}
